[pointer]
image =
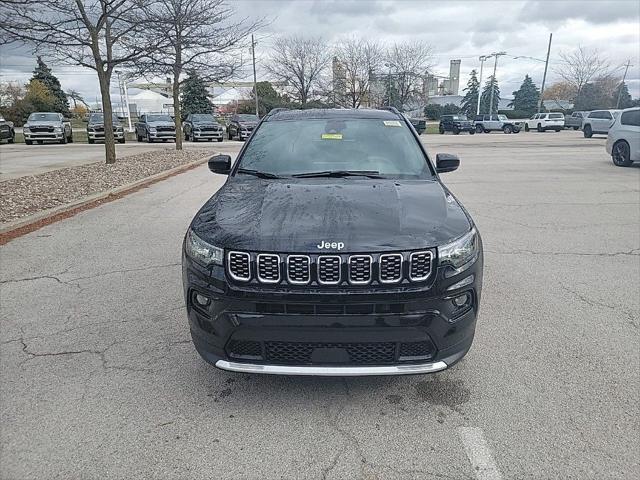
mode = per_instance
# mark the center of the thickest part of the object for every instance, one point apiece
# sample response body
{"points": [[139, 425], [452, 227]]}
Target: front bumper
{"points": [[43, 135], [207, 135], [162, 135], [93, 135], [336, 332]]}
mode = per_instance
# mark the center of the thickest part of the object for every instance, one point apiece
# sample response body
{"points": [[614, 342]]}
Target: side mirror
{"points": [[446, 162], [220, 164]]}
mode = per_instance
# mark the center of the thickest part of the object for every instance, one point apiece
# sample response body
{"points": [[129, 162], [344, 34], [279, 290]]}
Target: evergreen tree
{"points": [[525, 99], [486, 96], [470, 100], [42, 73], [195, 98], [625, 98]]}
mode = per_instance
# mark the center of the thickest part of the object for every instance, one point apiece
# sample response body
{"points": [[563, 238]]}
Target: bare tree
{"points": [[76, 97], [409, 62], [300, 63], [201, 37], [581, 66], [358, 61], [96, 34]]}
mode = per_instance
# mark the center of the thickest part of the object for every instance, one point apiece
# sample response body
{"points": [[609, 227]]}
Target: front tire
{"points": [[90, 141], [472, 132], [621, 154], [149, 138], [576, 128], [479, 129], [28, 142], [63, 140], [12, 138], [220, 139], [507, 129], [526, 127], [122, 140], [441, 130], [540, 129], [587, 131], [456, 131]]}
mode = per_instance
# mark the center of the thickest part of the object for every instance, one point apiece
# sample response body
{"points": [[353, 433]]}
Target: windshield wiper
{"points": [[257, 173], [340, 173]]}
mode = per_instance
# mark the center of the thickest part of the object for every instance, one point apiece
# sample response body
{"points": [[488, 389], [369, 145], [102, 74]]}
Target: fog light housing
{"points": [[201, 300], [462, 301]]}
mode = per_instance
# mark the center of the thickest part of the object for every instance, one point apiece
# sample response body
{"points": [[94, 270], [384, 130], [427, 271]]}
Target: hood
{"points": [[207, 124], [295, 216], [44, 123], [248, 124], [161, 124]]}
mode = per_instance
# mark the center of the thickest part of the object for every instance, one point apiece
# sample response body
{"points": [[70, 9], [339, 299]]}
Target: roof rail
{"points": [[275, 110], [391, 109]]}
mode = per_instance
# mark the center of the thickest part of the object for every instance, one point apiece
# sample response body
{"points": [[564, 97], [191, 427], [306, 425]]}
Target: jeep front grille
{"points": [[420, 266], [239, 266], [268, 268], [298, 269], [359, 269], [390, 266], [329, 269]]}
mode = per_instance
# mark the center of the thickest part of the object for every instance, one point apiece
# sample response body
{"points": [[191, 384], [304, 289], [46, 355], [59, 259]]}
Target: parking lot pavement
{"points": [[99, 378], [18, 159]]}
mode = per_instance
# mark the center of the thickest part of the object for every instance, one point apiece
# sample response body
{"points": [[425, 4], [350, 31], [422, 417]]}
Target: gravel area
{"points": [[28, 195]]}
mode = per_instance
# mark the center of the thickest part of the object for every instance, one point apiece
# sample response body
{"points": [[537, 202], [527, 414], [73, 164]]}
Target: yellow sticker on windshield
{"points": [[392, 123], [332, 136]]}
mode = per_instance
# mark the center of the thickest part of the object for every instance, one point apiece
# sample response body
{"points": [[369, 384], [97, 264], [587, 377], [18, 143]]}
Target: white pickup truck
{"points": [[47, 126]]}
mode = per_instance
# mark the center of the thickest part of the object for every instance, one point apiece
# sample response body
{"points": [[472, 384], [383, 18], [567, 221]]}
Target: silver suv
{"points": [[599, 121]]}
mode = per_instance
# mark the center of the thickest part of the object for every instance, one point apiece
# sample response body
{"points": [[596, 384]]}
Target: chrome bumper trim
{"points": [[327, 371]]}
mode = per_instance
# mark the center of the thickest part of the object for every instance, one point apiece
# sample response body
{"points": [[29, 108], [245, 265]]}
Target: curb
{"points": [[22, 226]]}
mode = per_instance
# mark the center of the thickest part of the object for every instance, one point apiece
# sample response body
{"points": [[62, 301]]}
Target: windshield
{"points": [[43, 117], [296, 147], [99, 118], [203, 117], [159, 118], [502, 118], [248, 118]]}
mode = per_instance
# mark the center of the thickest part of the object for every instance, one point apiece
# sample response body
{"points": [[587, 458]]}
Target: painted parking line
{"points": [[476, 448]]}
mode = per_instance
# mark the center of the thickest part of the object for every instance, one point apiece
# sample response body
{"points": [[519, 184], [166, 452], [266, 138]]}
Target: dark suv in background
{"points": [[202, 126], [333, 248], [241, 125], [456, 124]]}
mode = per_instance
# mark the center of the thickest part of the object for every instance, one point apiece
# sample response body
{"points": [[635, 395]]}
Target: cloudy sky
{"points": [[455, 30]]}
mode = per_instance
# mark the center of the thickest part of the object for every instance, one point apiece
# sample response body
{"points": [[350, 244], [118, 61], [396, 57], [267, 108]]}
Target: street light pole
{"points": [[544, 76], [624, 77], [255, 81], [482, 58], [493, 79]]}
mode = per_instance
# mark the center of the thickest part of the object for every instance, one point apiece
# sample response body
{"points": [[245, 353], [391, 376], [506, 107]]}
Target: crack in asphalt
{"points": [[595, 303]]}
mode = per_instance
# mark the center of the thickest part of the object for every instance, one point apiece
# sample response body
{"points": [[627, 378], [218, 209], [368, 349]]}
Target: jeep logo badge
{"points": [[330, 245]]}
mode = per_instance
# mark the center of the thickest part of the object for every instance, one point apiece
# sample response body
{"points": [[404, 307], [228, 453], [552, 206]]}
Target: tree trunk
{"points": [[107, 112], [176, 110]]}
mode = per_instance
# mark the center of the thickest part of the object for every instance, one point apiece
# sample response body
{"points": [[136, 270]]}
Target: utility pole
{"points": [[544, 76], [124, 100], [624, 77], [482, 58], [255, 81], [493, 79]]}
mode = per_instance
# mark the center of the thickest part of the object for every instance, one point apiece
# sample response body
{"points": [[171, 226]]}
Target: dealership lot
{"points": [[18, 159], [98, 377]]}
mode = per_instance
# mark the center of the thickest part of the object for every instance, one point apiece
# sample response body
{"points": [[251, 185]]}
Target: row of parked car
{"points": [[53, 127]]}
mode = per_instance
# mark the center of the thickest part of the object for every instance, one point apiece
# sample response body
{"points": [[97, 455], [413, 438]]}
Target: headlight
{"points": [[460, 253], [57, 129], [152, 129], [25, 129], [201, 251]]}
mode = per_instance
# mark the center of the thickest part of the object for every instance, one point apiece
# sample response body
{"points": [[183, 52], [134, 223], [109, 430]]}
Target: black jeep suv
{"points": [[456, 124], [333, 248]]}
